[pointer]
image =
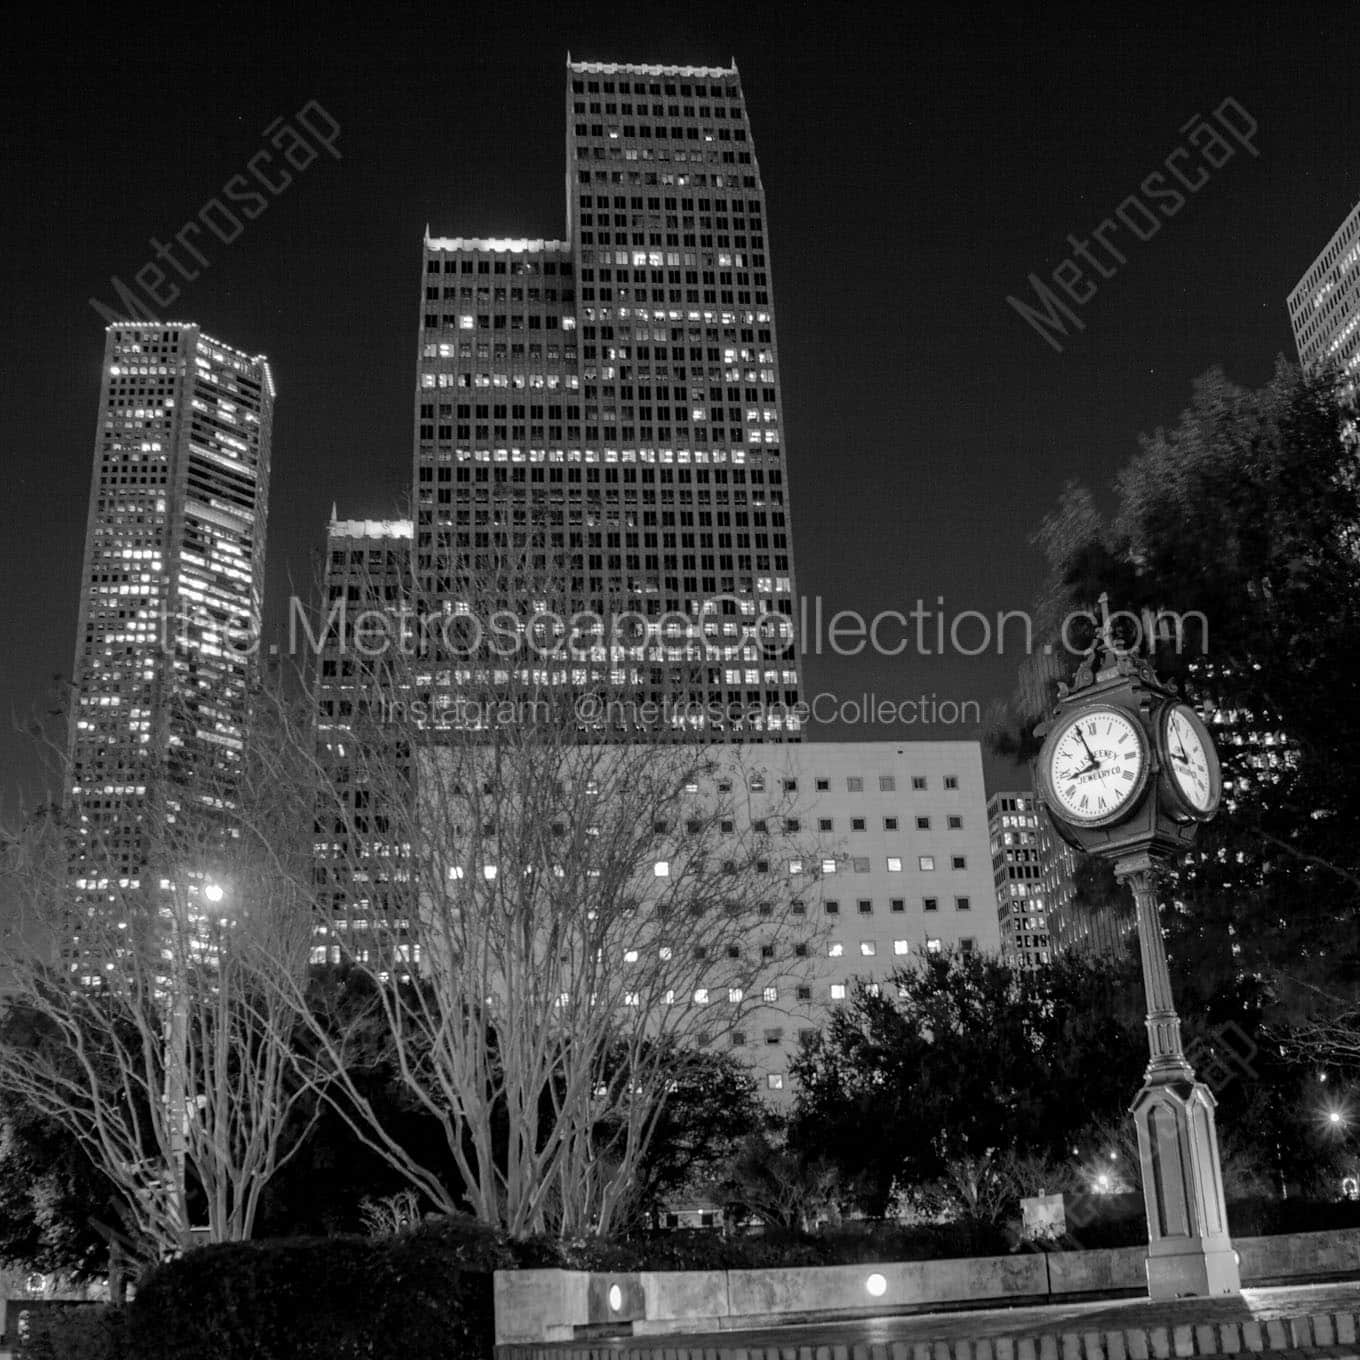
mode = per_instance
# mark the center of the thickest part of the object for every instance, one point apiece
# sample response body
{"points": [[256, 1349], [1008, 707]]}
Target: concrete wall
{"points": [[551, 1305]]}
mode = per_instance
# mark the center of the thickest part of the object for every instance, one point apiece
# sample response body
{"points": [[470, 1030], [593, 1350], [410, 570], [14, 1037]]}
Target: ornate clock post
{"points": [[1127, 772]]}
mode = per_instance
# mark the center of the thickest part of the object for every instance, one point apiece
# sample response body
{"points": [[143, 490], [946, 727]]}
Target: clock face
{"points": [[1190, 759], [1097, 765]]}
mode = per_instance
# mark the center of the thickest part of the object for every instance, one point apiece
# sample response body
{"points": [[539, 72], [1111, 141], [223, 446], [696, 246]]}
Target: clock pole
{"points": [[1189, 1250], [1150, 807], [1166, 1057]]}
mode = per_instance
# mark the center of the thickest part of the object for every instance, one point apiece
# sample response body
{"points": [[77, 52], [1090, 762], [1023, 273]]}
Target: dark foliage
{"points": [[963, 1057], [424, 1294], [1244, 520]]}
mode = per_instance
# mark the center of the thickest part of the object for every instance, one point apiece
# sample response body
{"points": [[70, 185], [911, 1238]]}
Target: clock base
{"points": [[1189, 1251]]}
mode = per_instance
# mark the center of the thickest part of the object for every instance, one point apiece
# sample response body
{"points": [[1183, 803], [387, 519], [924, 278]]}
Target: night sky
{"points": [[919, 163]]}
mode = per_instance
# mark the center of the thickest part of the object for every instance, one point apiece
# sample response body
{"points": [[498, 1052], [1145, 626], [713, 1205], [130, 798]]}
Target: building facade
{"points": [[171, 590], [1324, 306], [599, 429], [875, 856], [362, 859], [599, 417], [905, 825], [1022, 907]]}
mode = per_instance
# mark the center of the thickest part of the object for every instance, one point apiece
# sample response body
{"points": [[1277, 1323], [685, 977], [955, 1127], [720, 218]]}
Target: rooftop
{"points": [[515, 245], [613, 68], [368, 528]]}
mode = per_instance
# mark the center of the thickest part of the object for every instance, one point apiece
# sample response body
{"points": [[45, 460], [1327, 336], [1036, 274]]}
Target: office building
{"points": [[1324, 306], [170, 596], [891, 866], [1022, 913], [600, 416], [362, 858]]}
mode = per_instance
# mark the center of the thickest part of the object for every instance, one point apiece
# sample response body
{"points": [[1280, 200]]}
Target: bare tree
{"points": [[551, 908], [146, 1013]]}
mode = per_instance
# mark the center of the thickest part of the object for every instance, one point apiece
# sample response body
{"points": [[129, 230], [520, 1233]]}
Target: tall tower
{"points": [[607, 408], [1013, 828], [171, 589], [1324, 306]]}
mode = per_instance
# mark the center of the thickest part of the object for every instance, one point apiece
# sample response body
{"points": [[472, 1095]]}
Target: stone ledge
{"points": [[1305, 1335]]}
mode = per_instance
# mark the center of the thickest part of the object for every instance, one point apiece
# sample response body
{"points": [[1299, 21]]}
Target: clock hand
{"points": [[1095, 764]]}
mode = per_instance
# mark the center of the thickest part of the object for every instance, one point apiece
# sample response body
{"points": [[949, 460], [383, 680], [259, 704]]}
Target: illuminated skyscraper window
{"points": [[607, 407], [171, 588]]}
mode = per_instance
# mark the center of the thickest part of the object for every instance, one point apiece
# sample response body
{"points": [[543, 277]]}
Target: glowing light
{"points": [[213, 892], [615, 1297], [876, 1284]]}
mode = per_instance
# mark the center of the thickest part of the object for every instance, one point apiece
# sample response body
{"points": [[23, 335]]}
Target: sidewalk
{"points": [[1314, 1319]]}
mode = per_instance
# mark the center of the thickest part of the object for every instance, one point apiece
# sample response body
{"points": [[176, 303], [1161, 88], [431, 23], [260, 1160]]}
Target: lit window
{"points": [[701, 996], [835, 949], [867, 949], [734, 994], [828, 866], [933, 946], [838, 991], [771, 994], [900, 947], [662, 868], [774, 1080], [927, 863], [630, 956]]}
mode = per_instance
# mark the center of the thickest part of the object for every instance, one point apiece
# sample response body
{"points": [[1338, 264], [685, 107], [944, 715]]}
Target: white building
{"points": [[1324, 306]]}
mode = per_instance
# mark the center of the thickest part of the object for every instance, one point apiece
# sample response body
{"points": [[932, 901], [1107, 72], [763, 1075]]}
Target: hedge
{"points": [[421, 1296]]}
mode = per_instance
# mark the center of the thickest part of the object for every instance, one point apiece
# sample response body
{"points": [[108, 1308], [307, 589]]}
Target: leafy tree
{"points": [[783, 1186], [961, 1060], [51, 1199], [1242, 520], [712, 1109]]}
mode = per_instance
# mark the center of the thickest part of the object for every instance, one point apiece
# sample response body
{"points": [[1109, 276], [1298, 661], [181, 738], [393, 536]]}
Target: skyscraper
{"points": [[606, 408], [357, 868], [1324, 306], [1013, 827], [171, 589]]}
